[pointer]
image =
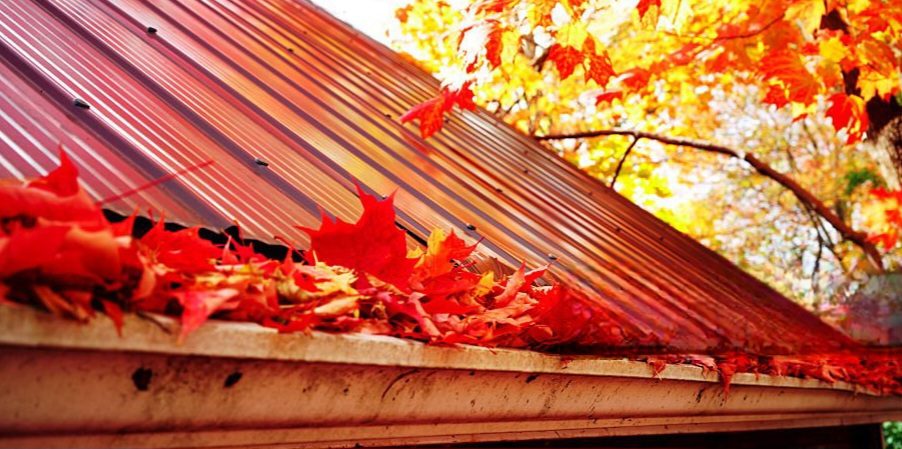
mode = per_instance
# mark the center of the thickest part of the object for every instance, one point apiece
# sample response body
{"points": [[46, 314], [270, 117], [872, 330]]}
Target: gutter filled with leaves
{"points": [[59, 253]]}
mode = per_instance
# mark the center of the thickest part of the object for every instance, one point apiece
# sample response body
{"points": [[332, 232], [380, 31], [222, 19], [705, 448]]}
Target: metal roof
{"points": [[214, 90]]}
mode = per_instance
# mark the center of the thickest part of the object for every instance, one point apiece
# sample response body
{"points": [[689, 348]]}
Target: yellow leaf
{"points": [[874, 84], [485, 284], [329, 280], [807, 13], [573, 35], [338, 307], [857, 6], [833, 50]]}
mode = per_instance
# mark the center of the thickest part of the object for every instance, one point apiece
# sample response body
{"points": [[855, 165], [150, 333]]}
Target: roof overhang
{"points": [[70, 384]]}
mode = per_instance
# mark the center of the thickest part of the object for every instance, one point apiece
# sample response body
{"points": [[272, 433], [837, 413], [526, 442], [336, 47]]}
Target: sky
{"points": [[372, 17]]}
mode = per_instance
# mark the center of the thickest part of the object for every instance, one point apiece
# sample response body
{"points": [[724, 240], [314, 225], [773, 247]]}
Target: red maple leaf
{"points": [[608, 96], [643, 6], [462, 98], [575, 319], [597, 66], [848, 113], [634, 79], [444, 304], [25, 249], [55, 196], [565, 59], [72, 238], [431, 112], [373, 245], [787, 67], [183, 250], [439, 275], [198, 305], [495, 6], [493, 47], [776, 96], [892, 215], [438, 261]]}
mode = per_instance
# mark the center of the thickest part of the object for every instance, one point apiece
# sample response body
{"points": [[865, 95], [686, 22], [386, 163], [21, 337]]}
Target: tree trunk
{"points": [[886, 132]]}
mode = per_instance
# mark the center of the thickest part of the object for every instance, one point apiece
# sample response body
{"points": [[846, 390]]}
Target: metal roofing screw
{"points": [[290, 50], [151, 30], [261, 162], [525, 171], [498, 189], [471, 227], [552, 257], [79, 103]]}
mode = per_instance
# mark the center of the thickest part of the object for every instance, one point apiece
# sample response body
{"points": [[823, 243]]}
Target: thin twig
{"points": [[820, 245], [754, 33], [622, 160]]}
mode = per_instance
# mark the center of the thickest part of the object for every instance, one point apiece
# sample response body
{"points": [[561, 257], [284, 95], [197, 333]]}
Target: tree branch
{"points": [[749, 34], [856, 237], [622, 160]]}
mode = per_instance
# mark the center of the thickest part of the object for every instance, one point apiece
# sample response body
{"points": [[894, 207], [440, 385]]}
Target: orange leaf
{"points": [[643, 6], [776, 96], [402, 13], [787, 67], [608, 96], [430, 113], [848, 112], [463, 98], [495, 6], [565, 59], [635, 78], [599, 67], [183, 250], [439, 256], [493, 47], [516, 283]]}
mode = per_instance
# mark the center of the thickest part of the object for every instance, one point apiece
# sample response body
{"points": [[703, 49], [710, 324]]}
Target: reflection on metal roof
{"points": [[271, 109]]}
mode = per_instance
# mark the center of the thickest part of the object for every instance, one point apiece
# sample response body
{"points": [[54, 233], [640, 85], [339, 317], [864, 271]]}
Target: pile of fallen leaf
{"points": [[58, 252]]}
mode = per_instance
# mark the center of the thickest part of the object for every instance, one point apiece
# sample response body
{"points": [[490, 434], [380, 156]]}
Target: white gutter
{"points": [[237, 385]]}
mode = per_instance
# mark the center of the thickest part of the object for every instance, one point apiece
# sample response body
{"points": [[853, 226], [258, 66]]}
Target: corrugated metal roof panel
{"points": [[222, 83]]}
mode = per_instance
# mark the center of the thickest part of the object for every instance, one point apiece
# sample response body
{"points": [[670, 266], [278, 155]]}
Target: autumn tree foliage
{"points": [[760, 116]]}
